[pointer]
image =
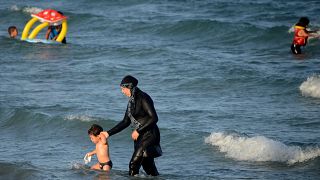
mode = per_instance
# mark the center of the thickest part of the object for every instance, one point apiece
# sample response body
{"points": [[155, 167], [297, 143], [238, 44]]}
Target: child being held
{"points": [[102, 148]]}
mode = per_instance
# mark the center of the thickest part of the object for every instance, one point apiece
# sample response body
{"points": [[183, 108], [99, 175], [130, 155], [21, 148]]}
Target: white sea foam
{"points": [[291, 29], [82, 118], [28, 10], [260, 149], [311, 87], [77, 165], [32, 10], [15, 8]]}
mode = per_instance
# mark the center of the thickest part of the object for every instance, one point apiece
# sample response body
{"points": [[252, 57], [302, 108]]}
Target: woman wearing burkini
{"points": [[143, 118]]}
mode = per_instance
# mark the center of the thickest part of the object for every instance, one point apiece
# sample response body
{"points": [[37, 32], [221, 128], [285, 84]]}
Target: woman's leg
{"points": [[135, 162], [149, 166]]}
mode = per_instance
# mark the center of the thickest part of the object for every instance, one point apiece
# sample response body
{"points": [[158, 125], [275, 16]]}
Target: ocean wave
{"points": [[311, 87], [23, 118], [192, 26], [75, 16], [18, 170], [260, 149], [197, 28], [26, 119]]}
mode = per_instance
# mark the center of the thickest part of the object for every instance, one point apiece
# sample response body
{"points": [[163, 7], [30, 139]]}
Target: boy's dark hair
{"points": [[303, 21], [95, 130], [11, 28]]}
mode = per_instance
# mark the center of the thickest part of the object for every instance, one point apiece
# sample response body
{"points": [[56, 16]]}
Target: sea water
{"points": [[232, 101]]}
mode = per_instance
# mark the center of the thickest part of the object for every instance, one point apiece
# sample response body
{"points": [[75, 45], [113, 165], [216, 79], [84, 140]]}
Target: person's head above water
{"points": [[303, 21], [95, 130], [127, 84], [60, 12], [94, 133], [13, 31], [58, 27]]}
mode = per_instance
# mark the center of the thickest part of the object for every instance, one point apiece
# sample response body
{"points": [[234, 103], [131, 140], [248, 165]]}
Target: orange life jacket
{"points": [[299, 40]]}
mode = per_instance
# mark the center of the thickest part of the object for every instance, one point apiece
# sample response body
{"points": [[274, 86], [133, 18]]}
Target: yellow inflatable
{"points": [[46, 17]]}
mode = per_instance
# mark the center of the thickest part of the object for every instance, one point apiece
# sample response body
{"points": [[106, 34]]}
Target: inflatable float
{"points": [[46, 17]]}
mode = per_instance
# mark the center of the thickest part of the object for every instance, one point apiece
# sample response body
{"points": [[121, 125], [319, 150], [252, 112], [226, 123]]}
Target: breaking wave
{"points": [[28, 10], [311, 87], [260, 149]]}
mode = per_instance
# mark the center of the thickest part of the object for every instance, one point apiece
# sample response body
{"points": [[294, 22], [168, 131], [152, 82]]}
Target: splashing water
{"points": [[291, 29], [15, 8], [32, 10], [28, 10], [311, 87], [260, 149], [82, 118]]}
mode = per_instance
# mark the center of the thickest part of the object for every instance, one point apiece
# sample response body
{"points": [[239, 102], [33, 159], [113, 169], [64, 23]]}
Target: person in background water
{"points": [[13, 31], [301, 35], [54, 31], [143, 118]]}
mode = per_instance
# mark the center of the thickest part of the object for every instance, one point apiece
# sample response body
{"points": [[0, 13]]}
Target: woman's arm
{"points": [[119, 127]]}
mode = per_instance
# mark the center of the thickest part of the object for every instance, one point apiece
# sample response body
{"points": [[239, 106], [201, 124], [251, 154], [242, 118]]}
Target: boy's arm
{"points": [[105, 133], [314, 34], [92, 153], [55, 38], [103, 138], [309, 34], [47, 33]]}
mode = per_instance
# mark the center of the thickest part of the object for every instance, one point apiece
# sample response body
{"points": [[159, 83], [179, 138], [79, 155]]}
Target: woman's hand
{"points": [[105, 133], [135, 135]]}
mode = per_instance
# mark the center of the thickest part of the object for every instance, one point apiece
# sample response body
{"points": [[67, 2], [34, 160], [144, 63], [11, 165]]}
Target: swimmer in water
{"points": [[54, 31], [13, 31], [301, 35]]}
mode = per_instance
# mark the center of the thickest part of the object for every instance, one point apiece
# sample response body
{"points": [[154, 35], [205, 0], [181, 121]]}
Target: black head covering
{"points": [[304, 22], [129, 82]]}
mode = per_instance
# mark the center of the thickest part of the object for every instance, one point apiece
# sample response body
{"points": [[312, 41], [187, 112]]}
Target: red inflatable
{"points": [[49, 15]]}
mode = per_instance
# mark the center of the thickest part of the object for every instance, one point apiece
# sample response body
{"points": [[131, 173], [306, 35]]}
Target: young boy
{"points": [[13, 31], [102, 148], [301, 35]]}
